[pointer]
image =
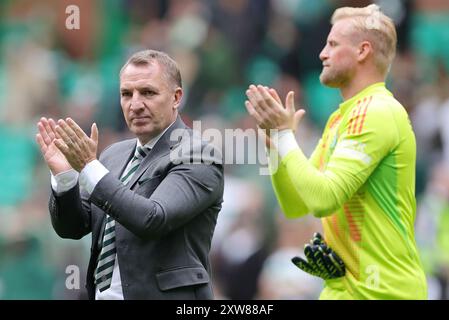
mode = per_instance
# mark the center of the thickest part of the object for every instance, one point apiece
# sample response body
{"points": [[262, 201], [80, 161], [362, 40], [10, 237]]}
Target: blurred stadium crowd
{"points": [[221, 47]]}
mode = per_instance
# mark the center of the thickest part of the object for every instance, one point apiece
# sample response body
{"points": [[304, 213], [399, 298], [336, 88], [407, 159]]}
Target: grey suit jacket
{"points": [[165, 216]]}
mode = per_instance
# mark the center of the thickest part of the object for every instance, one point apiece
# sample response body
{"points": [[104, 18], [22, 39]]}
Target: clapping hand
{"points": [[77, 147], [46, 137], [265, 106]]}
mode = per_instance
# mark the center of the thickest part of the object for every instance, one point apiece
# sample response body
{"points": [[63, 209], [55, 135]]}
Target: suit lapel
{"points": [[121, 159], [163, 146]]}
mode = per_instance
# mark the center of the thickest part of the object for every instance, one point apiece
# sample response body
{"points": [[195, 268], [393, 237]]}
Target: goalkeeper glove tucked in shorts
{"points": [[322, 261]]}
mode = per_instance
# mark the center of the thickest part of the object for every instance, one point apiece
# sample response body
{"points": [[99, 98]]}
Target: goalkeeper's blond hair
{"points": [[371, 24]]}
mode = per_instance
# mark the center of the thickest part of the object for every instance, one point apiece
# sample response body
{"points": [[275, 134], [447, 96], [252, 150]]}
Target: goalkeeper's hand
{"points": [[322, 261]]}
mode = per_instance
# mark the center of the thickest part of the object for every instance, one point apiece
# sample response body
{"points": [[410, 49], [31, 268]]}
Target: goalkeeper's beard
{"points": [[335, 78]]}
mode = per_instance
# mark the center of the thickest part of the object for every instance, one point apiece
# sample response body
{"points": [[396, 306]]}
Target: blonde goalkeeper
{"points": [[360, 180]]}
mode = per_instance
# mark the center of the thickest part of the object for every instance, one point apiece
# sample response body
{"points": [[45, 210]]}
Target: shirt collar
{"points": [[150, 144], [378, 86]]}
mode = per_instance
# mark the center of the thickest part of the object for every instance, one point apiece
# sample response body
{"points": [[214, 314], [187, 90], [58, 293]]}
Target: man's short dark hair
{"points": [[146, 57]]}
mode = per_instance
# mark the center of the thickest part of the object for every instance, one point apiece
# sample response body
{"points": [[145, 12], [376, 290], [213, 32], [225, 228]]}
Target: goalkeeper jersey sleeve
{"points": [[361, 180]]}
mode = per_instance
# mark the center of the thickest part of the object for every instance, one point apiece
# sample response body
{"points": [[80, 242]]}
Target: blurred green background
{"points": [[221, 46]]}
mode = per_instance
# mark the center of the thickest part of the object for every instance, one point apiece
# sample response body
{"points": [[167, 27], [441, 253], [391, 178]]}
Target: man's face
{"points": [[339, 56], [149, 102]]}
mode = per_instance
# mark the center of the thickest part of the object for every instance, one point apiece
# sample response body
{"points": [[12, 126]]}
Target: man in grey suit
{"points": [[151, 212]]}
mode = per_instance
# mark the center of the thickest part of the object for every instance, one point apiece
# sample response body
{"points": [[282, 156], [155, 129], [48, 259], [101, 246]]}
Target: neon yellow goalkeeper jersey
{"points": [[360, 180]]}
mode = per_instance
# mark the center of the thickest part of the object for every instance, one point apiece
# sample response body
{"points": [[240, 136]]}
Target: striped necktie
{"points": [[106, 260]]}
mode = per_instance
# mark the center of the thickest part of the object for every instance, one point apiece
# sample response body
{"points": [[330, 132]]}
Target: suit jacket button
{"points": [[199, 275]]}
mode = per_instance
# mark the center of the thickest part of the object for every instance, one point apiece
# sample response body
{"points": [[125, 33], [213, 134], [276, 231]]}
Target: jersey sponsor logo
{"points": [[358, 116]]}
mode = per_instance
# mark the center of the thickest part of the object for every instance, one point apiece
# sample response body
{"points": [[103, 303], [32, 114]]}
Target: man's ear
{"points": [[177, 97], [364, 51]]}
